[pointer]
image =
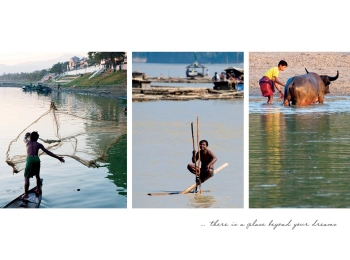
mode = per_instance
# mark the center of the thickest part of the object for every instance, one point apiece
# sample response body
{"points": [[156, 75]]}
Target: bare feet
{"points": [[24, 196], [37, 191]]}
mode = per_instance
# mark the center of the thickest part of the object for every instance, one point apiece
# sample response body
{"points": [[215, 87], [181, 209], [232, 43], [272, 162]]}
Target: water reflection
{"points": [[298, 157], [117, 165], [274, 127], [201, 201]]}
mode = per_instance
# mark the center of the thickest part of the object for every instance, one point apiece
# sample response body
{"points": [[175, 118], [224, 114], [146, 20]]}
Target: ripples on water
{"points": [[299, 156]]}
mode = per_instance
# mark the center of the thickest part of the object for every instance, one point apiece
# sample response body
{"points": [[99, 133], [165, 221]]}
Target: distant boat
{"points": [[192, 70], [233, 80], [40, 87]]}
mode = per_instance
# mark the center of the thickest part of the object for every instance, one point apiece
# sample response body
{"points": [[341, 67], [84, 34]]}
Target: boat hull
{"points": [[33, 200], [227, 85]]}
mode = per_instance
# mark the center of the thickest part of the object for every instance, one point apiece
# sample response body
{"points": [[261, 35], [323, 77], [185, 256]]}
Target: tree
{"points": [[65, 66], [116, 58], [57, 68]]}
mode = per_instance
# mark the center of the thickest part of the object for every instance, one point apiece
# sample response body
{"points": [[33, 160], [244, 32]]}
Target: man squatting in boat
{"points": [[207, 159], [33, 162]]}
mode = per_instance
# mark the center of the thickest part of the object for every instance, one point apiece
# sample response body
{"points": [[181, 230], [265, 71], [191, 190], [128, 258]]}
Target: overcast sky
{"points": [[14, 58]]}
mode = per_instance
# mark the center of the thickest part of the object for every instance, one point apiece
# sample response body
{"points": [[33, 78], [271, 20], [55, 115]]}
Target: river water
{"points": [[299, 156], [162, 148], [69, 184]]}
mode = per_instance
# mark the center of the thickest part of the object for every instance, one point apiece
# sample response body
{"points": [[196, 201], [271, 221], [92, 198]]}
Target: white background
{"points": [[173, 26]]}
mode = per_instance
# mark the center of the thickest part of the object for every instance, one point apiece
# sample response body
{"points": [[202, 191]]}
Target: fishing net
{"points": [[84, 139]]}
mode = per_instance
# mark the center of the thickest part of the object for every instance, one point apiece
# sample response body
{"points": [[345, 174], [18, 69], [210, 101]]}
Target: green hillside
{"points": [[105, 79]]}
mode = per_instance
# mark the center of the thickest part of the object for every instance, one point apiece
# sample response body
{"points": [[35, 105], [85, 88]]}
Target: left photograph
{"points": [[63, 130]]}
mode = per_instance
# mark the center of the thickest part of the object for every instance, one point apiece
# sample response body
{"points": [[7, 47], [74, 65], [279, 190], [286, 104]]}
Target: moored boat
{"points": [[192, 70], [40, 87], [232, 79]]}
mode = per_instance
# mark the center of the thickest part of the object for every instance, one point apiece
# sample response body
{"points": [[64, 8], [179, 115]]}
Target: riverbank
{"points": [[323, 63], [108, 84], [112, 91]]}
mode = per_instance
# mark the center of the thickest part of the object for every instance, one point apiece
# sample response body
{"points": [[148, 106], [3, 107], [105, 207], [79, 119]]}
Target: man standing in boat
{"points": [[207, 159], [33, 162]]}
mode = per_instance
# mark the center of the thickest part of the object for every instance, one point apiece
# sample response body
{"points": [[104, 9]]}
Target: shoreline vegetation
{"points": [[107, 84]]}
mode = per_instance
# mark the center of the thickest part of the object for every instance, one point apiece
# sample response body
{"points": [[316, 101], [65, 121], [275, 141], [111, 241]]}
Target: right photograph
{"points": [[298, 129]]}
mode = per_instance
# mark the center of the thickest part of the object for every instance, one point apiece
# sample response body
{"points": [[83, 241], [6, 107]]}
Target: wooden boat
{"points": [[234, 80], [40, 88], [33, 201], [191, 70]]}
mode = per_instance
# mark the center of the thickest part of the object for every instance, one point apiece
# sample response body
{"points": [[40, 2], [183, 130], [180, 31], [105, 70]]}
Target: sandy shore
{"points": [[323, 63]]}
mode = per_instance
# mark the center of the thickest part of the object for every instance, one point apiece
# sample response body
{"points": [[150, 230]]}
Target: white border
{"points": [[247, 26]]}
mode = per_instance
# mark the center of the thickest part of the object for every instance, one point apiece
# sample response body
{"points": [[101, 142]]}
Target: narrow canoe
{"points": [[33, 200]]}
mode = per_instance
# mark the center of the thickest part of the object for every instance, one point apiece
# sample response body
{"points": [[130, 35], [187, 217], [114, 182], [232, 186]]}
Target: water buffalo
{"points": [[307, 89]]}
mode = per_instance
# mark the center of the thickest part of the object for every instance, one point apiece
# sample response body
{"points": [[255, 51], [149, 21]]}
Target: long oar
{"points": [[199, 160]]}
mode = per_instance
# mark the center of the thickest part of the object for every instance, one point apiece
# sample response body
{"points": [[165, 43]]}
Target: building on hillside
{"points": [[83, 63], [74, 63], [77, 63], [105, 63]]}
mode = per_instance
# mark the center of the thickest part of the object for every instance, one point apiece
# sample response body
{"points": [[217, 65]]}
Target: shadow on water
{"points": [[117, 165]]}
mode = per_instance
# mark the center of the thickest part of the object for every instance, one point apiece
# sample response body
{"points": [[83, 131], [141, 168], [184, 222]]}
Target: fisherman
{"points": [[33, 162], [222, 76], [207, 159], [216, 77]]}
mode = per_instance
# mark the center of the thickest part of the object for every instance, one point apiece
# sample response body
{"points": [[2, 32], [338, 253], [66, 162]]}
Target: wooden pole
{"points": [[194, 148], [195, 185], [199, 158]]}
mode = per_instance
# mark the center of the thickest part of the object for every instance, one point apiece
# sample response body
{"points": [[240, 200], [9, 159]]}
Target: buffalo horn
{"points": [[334, 78], [306, 70]]}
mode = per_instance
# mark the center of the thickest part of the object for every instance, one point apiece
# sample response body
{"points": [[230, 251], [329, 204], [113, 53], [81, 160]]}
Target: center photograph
{"points": [[187, 129]]}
